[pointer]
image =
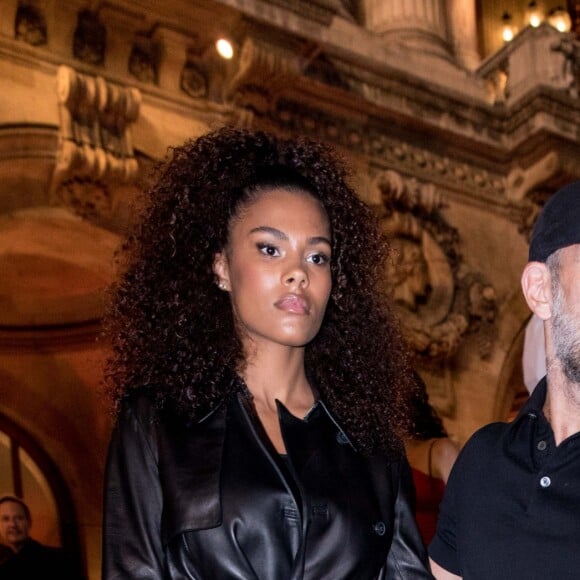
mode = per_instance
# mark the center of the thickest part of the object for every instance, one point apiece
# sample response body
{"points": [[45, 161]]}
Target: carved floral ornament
{"points": [[438, 301]]}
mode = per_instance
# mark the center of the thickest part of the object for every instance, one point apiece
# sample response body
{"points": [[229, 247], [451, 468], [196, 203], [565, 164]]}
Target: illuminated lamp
{"points": [[507, 28], [534, 14], [560, 19], [225, 48]]}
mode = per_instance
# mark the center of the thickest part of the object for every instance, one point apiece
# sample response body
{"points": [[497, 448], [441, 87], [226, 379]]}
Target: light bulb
{"points": [[507, 31], [225, 48], [534, 14], [560, 19]]}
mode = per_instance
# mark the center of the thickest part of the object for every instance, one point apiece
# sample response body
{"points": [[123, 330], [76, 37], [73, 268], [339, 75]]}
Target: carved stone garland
{"points": [[437, 299]]}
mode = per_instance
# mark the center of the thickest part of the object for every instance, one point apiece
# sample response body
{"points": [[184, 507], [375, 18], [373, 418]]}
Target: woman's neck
{"points": [[278, 374]]}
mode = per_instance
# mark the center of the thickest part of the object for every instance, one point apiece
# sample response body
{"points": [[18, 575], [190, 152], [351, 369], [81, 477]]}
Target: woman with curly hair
{"points": [[259, 376]]}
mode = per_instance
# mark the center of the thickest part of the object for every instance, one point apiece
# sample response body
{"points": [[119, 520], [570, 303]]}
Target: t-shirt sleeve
{"points": [[462, 489], [443, 546]]}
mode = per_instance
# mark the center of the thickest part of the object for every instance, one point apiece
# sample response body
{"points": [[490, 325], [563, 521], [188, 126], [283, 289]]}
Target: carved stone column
{"points": [[418, 24], [463, 29]]}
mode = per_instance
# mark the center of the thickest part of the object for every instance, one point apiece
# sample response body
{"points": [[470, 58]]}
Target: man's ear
{"points": [[537, 289], [222, 271]]}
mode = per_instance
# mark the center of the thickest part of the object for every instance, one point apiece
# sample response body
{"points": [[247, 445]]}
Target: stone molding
{"points": [[19, 340], [386, 151]]}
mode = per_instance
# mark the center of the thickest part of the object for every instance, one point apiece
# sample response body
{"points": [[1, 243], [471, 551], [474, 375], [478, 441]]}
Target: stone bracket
{"points": [[95, 129], [263, 71]]}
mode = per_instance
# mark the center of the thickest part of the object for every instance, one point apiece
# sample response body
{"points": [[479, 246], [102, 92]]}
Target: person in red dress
{"points": [[431, 454]]}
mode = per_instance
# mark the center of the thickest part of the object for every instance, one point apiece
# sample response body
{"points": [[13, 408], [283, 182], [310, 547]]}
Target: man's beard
{"points": [[566, 336]]}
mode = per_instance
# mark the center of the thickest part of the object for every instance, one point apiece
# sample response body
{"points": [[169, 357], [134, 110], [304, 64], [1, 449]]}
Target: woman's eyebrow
{"points": [[319, 240], [280, 235], [269, 230]]}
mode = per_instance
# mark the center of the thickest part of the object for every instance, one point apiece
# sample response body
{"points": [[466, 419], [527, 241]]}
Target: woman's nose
{"points": [[296, 276]]}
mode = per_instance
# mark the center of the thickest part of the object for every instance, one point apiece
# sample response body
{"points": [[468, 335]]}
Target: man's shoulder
{"points": [[5, 553], [485, 444], [36, 548], [50, 559], [488, 434]]}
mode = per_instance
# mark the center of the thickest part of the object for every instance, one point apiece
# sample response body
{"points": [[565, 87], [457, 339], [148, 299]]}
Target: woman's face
{"points": [[277, 268]]}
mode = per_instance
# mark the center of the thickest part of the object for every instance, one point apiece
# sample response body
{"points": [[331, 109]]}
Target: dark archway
{"points": [[18, 439]]}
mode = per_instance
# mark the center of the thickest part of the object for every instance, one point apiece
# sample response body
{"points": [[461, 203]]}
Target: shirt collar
{"points": [[535, 403]]}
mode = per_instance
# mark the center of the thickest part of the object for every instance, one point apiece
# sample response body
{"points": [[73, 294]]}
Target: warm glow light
{"points": [[507, 34], [507, 31], [224, 48], [560, 19], [534, 14]]}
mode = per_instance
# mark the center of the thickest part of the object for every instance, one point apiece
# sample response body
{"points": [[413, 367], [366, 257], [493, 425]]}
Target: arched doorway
{"points": [[28, 472]]}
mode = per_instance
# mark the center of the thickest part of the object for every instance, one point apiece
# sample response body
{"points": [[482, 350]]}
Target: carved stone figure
{"points": [[409, 274], [90, 38], [30, 25], [144, 61], [193, 81]]}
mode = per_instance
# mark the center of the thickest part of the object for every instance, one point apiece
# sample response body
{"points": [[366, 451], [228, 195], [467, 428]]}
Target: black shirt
{"points": [[36, 561], [512, 503]]}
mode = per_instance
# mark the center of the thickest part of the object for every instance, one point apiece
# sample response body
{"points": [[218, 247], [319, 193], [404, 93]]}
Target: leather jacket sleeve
{"points": [[133, 500], [407, 559]]}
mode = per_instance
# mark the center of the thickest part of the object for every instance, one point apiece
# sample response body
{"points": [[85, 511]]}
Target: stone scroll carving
{"points": [[95, 146], [437, 299]]}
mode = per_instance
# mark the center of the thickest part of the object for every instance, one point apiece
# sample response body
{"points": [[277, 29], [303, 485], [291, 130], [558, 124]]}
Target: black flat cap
{"points": [[558, 224]]}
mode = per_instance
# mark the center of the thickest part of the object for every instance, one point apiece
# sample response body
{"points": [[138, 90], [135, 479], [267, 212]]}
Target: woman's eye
{"points": [[268, 250], [319, 259]]}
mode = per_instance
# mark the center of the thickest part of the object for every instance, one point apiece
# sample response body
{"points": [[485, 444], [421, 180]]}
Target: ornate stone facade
{"points": [[456, 153]]}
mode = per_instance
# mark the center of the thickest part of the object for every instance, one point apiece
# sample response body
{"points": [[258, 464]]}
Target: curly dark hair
{"points": [[426, 423], [172, 330]]}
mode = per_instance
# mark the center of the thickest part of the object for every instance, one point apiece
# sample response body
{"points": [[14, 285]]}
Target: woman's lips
{"points": [[293, 303]]}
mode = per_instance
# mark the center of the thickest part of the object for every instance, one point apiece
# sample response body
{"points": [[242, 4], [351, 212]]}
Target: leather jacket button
{"points": [[341, 438], [379, 528]]}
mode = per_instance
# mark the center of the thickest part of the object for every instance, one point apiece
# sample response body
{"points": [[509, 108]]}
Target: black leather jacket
{"points": [[212, 501]]}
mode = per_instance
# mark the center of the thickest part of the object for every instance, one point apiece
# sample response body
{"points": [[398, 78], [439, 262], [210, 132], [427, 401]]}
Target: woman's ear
{"points": [[222, 271], [537, 289]]}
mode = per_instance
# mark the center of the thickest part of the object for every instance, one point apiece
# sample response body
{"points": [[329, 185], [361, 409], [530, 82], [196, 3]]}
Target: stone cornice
{"points": [[47, 62]]}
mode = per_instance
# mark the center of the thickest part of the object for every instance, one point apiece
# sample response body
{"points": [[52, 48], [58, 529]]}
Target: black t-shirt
{"points": [[512, 504]]}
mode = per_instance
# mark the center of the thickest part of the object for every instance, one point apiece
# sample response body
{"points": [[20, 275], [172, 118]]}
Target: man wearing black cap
{"points": [[512, 504]]}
